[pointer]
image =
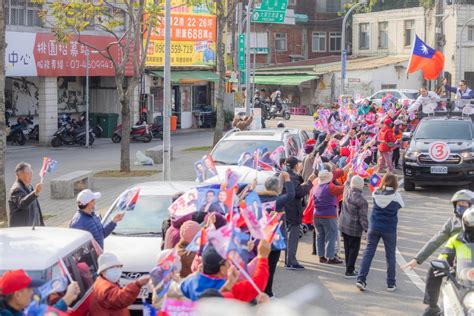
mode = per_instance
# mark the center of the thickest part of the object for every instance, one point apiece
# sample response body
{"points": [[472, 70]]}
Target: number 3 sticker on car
{"points": [[439, 151]]}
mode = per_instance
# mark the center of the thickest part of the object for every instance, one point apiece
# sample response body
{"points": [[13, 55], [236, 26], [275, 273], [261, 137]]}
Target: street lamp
{"points": [[247, 59], [87, 94], [343, 42]]}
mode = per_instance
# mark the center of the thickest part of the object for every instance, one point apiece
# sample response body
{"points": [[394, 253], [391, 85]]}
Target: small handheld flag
{"points": [[49, 165], [375, 181]]}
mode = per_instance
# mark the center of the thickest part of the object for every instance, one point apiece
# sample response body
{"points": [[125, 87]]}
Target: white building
{"points": [[392, 32]]}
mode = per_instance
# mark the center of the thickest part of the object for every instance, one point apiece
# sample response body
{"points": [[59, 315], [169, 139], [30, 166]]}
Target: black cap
{"points": [[211, 260]]}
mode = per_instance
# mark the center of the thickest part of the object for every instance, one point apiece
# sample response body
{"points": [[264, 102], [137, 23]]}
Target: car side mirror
{"points": [[406, 136], [440, 265]]}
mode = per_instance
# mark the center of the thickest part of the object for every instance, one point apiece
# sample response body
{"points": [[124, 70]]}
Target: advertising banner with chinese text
{"points": [[193, 36], [40, 54]]}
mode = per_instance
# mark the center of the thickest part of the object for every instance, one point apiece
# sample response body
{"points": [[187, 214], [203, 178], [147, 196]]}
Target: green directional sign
{"points": [[270, 11], [242, 51]]}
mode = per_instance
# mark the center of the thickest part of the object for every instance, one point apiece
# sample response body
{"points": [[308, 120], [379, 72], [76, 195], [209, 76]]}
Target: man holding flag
{"points": [[86, 218], [24, 207]]}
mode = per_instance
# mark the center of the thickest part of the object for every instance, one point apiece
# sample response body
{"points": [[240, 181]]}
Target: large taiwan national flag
{"points": [[426, 59]]}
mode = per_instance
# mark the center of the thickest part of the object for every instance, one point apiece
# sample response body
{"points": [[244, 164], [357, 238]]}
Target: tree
{"points": [[3, 141], [224, 11], [128, 22]]}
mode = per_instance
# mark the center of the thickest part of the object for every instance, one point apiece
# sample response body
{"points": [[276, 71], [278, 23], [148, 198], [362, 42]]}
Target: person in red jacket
{"points": [[108, 298], [386, 141], [244, 290]]}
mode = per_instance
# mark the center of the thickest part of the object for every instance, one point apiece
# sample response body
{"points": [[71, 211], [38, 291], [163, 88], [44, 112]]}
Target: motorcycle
{"points": [[68, 135], [458, 289], [30, 129], [16, 134], [138, 132], [97, 129], [157, 127], [274, 111]]}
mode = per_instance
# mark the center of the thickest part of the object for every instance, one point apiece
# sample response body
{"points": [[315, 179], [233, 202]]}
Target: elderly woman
{"points": [[273, 193]]}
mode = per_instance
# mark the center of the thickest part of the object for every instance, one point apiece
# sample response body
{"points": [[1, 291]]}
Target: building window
{"points": [[364, 36], [319, 41], [335, 41], [333, 6], [22, 12], [383, 35], [469, 77], [388, 86], [470, 32], [280, 42], [409, 32]]}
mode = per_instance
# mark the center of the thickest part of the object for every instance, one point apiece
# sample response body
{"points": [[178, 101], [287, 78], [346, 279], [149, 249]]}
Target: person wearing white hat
{"points": [[108, 298], [86, 218]]}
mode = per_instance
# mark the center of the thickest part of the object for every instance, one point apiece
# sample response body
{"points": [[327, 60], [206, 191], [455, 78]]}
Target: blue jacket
{"points": [[467, 94], [92, 224], [195, 284], [384, 218], [8, 311]]}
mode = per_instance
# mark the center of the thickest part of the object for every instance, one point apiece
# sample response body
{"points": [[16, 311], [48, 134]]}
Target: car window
{"points": [[146, 218], [379, 95], [412, 95], [228, 152], [455, 130], [396, 94], [82, 267]]}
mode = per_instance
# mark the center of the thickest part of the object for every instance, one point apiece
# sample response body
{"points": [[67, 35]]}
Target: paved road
{"points": [[425, 211]]}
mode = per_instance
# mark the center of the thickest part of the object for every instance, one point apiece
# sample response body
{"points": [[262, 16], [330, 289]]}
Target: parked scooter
{"points": [[138, 132], [157, 127], [458, 289], [68, 135], [30, 129], [16, 133]]}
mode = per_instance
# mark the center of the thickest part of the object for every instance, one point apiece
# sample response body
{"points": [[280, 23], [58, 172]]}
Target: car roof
{"points": [[39, 248], [275, 134], [401, 90], [447, 118], [163, 187]]}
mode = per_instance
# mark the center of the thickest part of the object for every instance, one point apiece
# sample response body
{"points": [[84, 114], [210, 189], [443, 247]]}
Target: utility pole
{"points": [[167, 96], [439, 32], [87, 98], [343, 43], [247, 58]]}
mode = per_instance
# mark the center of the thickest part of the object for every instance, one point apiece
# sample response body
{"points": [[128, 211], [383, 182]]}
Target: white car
{"points": [[402, 94], [229, 149], [137, 238], [39, 251]]}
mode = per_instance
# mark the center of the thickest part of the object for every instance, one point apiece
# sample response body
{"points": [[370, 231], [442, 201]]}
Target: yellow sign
{"points": [[193, 37]]}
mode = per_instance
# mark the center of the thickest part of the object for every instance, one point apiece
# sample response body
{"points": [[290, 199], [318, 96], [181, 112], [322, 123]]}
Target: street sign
{"points": [[270, 11], [241, 51]]}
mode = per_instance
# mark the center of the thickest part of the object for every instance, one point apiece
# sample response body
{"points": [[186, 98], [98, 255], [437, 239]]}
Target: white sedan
{"points": [[403, 94], [137, 238]]}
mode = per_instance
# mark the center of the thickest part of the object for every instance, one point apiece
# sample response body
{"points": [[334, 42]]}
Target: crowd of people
{"points": [[354, 146]]}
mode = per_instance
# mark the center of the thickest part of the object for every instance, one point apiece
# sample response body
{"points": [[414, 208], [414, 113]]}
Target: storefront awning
{"points": [[189, 76], [282, 80]]}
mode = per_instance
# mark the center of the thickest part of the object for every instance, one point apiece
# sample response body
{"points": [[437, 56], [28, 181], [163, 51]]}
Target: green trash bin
{"points": [[108, 121]]}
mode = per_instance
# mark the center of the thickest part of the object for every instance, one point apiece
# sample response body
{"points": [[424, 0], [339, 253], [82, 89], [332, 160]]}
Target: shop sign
{"points": [[41, 54], [193, 36]]}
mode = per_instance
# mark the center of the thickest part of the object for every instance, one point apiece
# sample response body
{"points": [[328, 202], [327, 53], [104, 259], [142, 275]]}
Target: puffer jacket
{"points": [[384, 217], [294, 208], [452, 227], [108, 299], [172, 234], [353, 219]]}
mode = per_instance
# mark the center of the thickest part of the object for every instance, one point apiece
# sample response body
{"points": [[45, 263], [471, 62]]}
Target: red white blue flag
{"points": [[426, 59]]}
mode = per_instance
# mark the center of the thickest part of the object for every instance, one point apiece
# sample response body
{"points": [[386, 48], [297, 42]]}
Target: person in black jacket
{"points": [[273, 193], [23, 203], [294, 210]]}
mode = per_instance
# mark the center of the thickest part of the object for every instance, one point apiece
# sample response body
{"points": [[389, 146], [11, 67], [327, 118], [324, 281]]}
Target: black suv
{"points": [[419, 168]]}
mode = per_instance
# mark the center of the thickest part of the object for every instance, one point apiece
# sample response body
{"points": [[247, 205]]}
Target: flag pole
{"points": [[246, 275]]}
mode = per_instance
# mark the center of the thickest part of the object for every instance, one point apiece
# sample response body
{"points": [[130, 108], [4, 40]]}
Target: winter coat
{"points": [[384, 217], [195, 284], [280, 202], [108, 298], [353, 218], [308, 161], [294, 208], [325, 200], [8, 311], [92, 224], [187, 258], [466, 94], [243, 125], [172, 234], [243, 290], [386, 138], [452, 227], [24, 208]]}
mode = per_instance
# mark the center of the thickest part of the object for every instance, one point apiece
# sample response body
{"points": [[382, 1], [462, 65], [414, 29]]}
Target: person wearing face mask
{"points": [[107, 297], [294, 210], [461, 200], [86, 218]]}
